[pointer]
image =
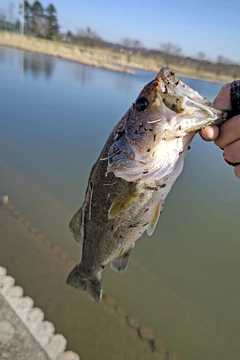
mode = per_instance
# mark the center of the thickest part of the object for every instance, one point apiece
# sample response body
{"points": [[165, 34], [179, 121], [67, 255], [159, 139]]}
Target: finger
{"points": [[209, 133], [223, 101], [229, 132], [237, 171], [232, 152]]}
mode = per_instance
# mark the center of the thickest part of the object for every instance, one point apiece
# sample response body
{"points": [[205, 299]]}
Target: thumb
{"points": [[209, 133]]}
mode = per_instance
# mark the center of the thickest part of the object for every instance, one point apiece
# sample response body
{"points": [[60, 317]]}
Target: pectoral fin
{"points": [[121, 263], [122, 201], [154, 219]]}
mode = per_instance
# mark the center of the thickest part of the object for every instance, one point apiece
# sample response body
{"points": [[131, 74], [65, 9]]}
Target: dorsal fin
{"points": [[154, 218], [76, 227]]}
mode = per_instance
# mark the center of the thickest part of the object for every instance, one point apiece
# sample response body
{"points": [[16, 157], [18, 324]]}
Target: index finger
{"points": [[229, 132], [223, 101]]}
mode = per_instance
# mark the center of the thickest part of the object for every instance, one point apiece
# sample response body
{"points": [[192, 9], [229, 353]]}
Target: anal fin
{"points": [[154, 218], [122, 262]]}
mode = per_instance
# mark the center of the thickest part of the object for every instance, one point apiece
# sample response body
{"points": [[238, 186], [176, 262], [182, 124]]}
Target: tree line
{"points": [[167, 53], [43, 22], [40, 21]]}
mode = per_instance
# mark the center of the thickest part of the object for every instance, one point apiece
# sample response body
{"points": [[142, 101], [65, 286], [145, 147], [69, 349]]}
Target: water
{"points": [[55, 117]]}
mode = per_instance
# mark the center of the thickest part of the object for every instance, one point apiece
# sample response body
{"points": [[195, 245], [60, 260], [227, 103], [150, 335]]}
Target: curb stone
{"points": [[33, 318]]}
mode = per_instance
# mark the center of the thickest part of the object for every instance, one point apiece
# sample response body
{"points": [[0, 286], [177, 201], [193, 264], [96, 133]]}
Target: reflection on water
{"points": [[28, 63], [83, 73], [183, 281], [124, 83], [38, 66], [2, 55]]}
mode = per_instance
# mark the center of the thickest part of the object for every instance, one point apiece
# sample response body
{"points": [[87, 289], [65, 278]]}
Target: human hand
{"points": [[226, 136]]}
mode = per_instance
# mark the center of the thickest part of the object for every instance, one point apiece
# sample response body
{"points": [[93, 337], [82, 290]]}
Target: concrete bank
{"points": [[23, 332]]}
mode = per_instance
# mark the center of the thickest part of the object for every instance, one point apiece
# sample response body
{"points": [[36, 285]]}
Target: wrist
{"points": [[235, 96]]}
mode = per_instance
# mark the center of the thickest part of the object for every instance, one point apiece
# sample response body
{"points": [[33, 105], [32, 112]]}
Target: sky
{"points": [[211, 27]]}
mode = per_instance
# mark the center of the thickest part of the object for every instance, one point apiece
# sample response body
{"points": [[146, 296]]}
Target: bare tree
{"points": [[137, 45], [201, 55], [127, 42], [235, 71], [133, 44], [2, 15], [200, 58], [221, 64], [10, 11], [223, 60], [88, 37], [169, 50]]}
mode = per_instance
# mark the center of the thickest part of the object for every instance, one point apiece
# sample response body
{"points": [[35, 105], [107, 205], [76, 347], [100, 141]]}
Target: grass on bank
{"points": [[102, 57]]}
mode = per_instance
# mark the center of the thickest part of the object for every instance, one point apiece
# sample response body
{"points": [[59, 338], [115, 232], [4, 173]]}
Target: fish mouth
{"points": [[192, 111], [160, 125]]}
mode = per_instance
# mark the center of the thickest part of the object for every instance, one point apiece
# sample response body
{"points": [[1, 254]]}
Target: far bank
{"points": [[103, 58]]}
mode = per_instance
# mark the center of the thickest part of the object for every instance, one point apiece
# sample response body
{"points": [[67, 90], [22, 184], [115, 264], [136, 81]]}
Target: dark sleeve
{"points": [[235, 96]]}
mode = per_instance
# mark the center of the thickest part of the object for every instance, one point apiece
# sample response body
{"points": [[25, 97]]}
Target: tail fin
{"points": [[92, 285]]}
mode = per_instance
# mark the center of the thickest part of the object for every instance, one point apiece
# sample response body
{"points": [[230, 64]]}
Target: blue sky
{"points": [[212, 27]]}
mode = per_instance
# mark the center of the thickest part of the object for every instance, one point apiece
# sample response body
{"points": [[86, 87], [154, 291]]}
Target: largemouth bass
{"points": [[137, 168]]}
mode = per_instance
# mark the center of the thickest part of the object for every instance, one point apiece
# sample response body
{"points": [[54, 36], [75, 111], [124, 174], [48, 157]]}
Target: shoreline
{"points": [[101, 58], [23, 328]]}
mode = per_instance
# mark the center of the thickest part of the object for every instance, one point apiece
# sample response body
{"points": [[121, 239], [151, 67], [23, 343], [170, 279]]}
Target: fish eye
{"points": [[141, 104]]}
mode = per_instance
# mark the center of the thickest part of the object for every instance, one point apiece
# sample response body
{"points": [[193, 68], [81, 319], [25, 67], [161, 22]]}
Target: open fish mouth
{"points": [[197, 111], [158, 128]]}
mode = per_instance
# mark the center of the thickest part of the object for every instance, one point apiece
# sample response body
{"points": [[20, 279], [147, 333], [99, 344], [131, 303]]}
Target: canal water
{"points": [[183, 282]]}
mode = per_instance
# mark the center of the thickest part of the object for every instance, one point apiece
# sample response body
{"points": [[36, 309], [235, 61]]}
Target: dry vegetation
{"points": [[115, 59], [42, 35]]}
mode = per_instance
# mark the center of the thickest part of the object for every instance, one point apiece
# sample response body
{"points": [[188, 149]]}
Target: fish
{"points": [[140, 161]]}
